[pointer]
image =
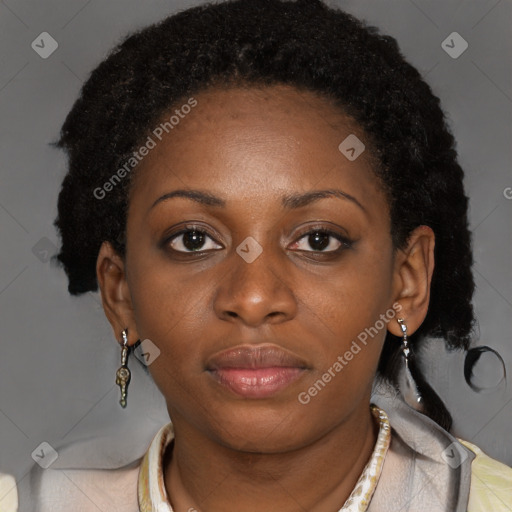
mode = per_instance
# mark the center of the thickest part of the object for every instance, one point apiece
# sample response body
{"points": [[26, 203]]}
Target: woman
{"points": [[269, 200]]}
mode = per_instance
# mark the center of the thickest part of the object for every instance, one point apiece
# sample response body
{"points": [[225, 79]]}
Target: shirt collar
{"points": [[152, 494]]}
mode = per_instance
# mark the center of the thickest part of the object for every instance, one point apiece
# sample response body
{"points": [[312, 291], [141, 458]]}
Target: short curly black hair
{"points": [[304, 44]]}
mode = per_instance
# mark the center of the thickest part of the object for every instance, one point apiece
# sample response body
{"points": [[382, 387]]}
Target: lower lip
{"points": [[257, 382]]}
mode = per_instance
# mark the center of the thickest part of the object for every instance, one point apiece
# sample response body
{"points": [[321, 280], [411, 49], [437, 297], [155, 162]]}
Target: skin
{"points": [[251, 147]]}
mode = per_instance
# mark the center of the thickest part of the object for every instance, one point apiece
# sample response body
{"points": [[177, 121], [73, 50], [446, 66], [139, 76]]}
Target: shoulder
{"points": [[491, 482], [80, 490]]}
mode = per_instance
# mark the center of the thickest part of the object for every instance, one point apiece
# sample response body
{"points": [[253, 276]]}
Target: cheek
{"points": [[171, 318], [167, 310], [352, 296], [348, 346], [346, 314], [350, 312]]}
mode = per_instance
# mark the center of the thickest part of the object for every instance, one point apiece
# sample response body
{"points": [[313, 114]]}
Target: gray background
{"points": [[58, 354]]}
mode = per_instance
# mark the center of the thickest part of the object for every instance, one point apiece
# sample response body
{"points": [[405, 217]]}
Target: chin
{"points": [[261, 428]]}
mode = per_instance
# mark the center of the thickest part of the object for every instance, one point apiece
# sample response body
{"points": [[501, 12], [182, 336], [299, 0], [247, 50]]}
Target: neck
{"points": [[201, 474]]}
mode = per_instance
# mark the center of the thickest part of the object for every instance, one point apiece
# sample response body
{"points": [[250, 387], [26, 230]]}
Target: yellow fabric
{"points": [[8, 494], [491, 483]]}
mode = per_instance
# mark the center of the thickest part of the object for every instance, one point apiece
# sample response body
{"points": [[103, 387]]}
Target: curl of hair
{"points": [[310, 46]]}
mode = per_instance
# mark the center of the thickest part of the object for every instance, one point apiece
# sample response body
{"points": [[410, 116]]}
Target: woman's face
{"points": [[252, 259]]}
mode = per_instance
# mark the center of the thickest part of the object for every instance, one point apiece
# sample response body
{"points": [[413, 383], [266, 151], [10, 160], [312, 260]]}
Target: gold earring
{"points": [[123, 374]]}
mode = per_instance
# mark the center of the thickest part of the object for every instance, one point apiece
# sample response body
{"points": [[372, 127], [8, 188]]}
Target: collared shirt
{"points": [[415, 466], [425, 469], [153, 497]]}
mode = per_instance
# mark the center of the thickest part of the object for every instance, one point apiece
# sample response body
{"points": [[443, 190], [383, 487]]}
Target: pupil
{"points": [[319, 240], [193, 240]]}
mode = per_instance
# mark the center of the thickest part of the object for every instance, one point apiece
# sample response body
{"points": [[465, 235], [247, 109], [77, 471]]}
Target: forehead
{"points": [[257, 142]]}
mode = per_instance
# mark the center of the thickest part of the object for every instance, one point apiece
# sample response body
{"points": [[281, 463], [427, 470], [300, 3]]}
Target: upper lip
{"points": [[253, 357]]}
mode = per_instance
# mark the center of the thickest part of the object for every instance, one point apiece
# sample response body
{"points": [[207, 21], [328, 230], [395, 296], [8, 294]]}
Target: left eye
{"points": [[191, 240], [321, 241]]}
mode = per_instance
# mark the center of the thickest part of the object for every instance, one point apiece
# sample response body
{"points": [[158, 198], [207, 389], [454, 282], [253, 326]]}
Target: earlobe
{"points": [[414, 267], [115, 294]]}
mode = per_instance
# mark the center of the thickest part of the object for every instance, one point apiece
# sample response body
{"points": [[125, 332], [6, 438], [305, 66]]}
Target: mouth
{"points": [[256, 371]]}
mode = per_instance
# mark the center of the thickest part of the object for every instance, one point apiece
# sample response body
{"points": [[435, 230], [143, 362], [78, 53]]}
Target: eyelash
{"points": [[344, 241]]}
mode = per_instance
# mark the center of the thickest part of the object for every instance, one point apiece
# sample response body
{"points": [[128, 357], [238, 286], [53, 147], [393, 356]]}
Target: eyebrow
{"points": [[291, 201]]}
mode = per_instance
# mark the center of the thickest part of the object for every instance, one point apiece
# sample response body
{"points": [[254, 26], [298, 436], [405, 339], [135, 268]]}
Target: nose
{"points": [[255, 293]]}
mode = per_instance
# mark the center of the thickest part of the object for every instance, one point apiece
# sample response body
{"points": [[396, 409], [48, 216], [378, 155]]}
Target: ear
{"points": [[413, 270], [115, 294]]}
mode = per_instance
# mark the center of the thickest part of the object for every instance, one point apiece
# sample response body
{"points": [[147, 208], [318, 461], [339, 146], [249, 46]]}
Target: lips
{"points": [[255, 356], [255, 371]]}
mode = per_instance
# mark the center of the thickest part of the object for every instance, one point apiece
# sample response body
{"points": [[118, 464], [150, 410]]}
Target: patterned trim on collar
{"points": [[361, 496], [153, 497], [151, 493]]}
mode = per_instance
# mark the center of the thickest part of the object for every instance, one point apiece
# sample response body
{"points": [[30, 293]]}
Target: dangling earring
{"points": [[123, 373], [406, 382]]}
